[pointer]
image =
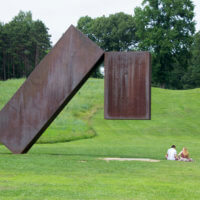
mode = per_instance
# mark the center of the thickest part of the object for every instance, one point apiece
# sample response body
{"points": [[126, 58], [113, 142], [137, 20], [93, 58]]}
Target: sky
{"points": [[58, 15]]}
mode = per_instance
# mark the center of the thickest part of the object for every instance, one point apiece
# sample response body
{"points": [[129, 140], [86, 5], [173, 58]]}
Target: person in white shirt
{"points": [[171, 153]]}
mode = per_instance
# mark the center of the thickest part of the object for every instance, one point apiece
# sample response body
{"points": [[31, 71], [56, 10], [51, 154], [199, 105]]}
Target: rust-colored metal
{"points": [[47, 90], [127, 85]]}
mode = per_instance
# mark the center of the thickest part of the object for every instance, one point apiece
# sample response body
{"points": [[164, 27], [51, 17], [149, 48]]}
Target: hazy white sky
{"points": [[58, 15]]}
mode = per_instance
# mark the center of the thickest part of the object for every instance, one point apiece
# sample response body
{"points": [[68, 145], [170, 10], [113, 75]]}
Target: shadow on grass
{"points": [[94, 155]]}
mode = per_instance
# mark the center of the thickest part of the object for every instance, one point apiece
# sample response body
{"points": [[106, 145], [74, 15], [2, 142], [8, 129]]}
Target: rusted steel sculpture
{"points": [[58, 77], [47, 90], [127, 85]]}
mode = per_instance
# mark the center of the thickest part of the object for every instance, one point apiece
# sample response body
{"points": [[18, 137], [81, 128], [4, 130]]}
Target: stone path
{"points": [[130, 159]]}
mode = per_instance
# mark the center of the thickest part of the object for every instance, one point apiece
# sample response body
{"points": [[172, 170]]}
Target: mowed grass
{"points": [[72, 170], [74, 121]]}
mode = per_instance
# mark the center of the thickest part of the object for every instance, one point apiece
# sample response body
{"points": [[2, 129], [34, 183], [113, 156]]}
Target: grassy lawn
{"points": [[57, 169]]}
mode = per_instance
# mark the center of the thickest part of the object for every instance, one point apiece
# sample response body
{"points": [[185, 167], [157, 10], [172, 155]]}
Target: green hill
{"points": [[71, 170], [175, 115]]}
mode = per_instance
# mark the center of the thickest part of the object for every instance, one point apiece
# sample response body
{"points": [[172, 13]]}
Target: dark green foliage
{"points": [[23, 43], [166, 27], [113, 33], [163, 27], [192, 77]]}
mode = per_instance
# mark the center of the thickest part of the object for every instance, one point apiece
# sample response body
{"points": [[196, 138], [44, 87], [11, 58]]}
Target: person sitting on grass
{"points": [[184, 155], [171, 153]]}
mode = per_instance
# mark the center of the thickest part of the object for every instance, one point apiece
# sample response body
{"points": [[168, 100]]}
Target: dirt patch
{"points": [[130, 159]]}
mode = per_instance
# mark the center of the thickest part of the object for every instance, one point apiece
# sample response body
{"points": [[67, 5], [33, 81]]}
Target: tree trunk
{"points": [[25, 66], [36, 54], [4, 66], [162, 85], [13, 69]]}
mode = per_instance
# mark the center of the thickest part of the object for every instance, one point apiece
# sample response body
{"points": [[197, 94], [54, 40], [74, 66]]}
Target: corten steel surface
{"points": [[127, 85], [47, 90]]}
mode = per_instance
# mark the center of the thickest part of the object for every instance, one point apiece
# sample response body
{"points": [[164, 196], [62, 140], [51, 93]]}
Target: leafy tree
{"points": [[24, 44], [192, 77], [113, 33], [166, 27], [19, 44], [40, 40]]}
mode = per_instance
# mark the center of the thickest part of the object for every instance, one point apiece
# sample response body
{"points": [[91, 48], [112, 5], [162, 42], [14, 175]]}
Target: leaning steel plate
{"points": [[47, 90]]}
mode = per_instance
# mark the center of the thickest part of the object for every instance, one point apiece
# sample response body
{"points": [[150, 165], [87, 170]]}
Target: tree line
{"points": [[23, 43], [166, 28]]}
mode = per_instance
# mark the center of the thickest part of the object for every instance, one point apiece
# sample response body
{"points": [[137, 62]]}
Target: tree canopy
{"points": [[113, 33], [192, 77], [165, 28], [23, 43]]}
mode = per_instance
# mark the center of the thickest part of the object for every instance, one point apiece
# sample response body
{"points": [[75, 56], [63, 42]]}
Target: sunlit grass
{"points": [[72, 170]]}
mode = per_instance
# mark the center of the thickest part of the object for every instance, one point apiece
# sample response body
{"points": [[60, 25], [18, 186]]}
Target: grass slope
{"points": [[71, 170], [74, 121]]}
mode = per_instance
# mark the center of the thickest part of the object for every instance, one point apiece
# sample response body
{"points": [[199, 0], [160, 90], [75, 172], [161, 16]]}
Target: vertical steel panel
{"points": [[127, 85], [47, 90]]}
